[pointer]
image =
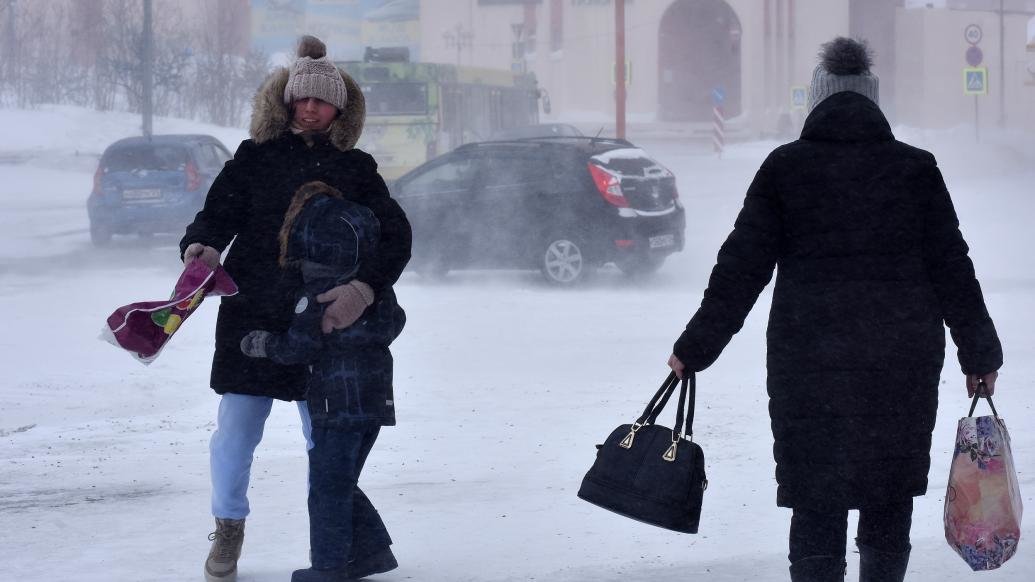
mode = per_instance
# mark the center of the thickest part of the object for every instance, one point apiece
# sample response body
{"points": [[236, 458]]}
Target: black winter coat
{"points": [[248, 200], [870, 263]]}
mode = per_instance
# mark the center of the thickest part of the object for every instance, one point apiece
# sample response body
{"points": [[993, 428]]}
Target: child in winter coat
{"points": [[349, 393]]}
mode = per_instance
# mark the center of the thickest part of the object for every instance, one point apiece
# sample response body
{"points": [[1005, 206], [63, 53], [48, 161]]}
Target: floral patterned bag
{"points": [[983, 501]]}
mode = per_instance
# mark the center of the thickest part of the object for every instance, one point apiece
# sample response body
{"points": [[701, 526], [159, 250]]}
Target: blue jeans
{"points": [[343, 524], [238, 431]]}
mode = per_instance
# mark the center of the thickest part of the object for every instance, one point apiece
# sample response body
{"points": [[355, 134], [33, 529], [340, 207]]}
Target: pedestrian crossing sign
{"points": [[975, 81], [799, 97]]}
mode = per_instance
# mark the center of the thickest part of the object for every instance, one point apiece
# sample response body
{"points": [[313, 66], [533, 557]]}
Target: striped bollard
{"points": [[718, 130]]}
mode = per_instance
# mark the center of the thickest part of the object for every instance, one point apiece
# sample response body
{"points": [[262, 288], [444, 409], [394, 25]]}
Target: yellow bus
{"points": [[416, 111]]}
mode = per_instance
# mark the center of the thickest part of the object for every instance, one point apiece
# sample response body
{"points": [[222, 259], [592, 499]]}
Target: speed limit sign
{"points": [[973, 34]]}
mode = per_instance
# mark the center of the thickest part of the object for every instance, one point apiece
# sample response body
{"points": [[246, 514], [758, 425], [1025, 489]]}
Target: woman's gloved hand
{"points": [[209, 255], [349, 302]]}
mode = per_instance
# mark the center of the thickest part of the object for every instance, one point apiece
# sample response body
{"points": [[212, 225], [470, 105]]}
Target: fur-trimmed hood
{"points": [[271, 117]]}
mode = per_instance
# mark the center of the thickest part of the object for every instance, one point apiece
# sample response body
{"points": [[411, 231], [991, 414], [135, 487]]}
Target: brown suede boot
{"points": [[221, 565]]}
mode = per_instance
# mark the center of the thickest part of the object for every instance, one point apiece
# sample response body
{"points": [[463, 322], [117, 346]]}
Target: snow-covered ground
{"points": [[503, 386]]}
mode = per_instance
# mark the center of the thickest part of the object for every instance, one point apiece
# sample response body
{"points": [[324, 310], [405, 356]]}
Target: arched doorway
{"points": [[698, 52]]}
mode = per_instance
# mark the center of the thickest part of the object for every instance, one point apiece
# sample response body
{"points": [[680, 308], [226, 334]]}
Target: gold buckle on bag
{"points": [[670, 454], [627, 442]]}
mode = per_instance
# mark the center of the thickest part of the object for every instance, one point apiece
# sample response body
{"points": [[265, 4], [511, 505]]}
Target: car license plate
{"points": [[147, 195], [662, 240]]}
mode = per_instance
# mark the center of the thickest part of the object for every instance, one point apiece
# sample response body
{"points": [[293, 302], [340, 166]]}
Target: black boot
{"points": [[311, 575], [819, 569], [879, 566]]}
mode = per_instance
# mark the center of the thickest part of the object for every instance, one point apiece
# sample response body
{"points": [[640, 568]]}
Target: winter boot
{"points": [[377, 563], [819, 569], [221, 565], [312, 575], [879, 566]]}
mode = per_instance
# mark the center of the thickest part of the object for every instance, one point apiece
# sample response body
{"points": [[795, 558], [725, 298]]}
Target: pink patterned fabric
{"points": [[983, 501], [144, 328]]}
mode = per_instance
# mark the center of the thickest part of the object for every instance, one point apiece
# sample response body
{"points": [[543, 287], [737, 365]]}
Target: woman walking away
{"points": [[306, 121], [871, 264]]}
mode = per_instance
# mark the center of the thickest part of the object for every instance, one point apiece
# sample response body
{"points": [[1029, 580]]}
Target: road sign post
{"points": [[718, 120], [975, 82], [975, 78], [799, 97], [973, 34]]}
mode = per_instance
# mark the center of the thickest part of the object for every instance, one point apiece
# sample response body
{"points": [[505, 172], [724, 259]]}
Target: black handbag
{"points": [[651, 473]]}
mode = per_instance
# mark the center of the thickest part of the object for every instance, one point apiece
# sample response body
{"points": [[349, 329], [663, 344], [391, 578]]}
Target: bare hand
{"points": [[208, 255], [676, 365], [349, 303], [989, 380]]}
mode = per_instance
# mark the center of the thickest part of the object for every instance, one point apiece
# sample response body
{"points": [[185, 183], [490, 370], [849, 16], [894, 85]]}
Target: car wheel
{"points": [[100, 235], [564, 261], [642, 266]]}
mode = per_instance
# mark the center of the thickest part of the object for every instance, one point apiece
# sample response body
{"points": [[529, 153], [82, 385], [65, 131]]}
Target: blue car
{"points": [[148, 186]]}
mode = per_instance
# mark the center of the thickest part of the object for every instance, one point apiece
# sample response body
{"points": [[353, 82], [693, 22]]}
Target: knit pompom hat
{"points": [[844, 65], [313, 75]]}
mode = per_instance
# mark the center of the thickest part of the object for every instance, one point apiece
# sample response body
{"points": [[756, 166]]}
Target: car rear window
{"points": [[159, 157], [211, 157], [627, 162]]}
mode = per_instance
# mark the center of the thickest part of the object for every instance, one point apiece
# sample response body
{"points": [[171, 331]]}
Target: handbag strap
{"points": [[658, 402], [687, 394], [978, 394], [687, 400]]}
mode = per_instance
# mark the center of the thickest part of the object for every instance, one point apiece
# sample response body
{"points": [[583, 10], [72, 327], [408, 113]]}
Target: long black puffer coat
{"points": [[248, 200], [870, 263]]}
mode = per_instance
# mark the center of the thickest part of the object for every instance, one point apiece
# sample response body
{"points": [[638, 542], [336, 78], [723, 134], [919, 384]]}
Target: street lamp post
{"points": [[620, 69]]}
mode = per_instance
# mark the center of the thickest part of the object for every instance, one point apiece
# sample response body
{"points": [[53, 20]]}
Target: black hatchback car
{"points": [[147, 186], [563, 205]]}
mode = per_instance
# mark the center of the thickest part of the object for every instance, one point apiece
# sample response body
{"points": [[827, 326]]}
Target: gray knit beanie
{"points": [[313, 75], [844, 65]]}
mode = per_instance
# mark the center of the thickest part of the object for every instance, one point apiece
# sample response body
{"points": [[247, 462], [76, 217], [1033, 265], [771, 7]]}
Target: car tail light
{"points": [[624, 243], [97, 181], [609, 185], [193, 178]]}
